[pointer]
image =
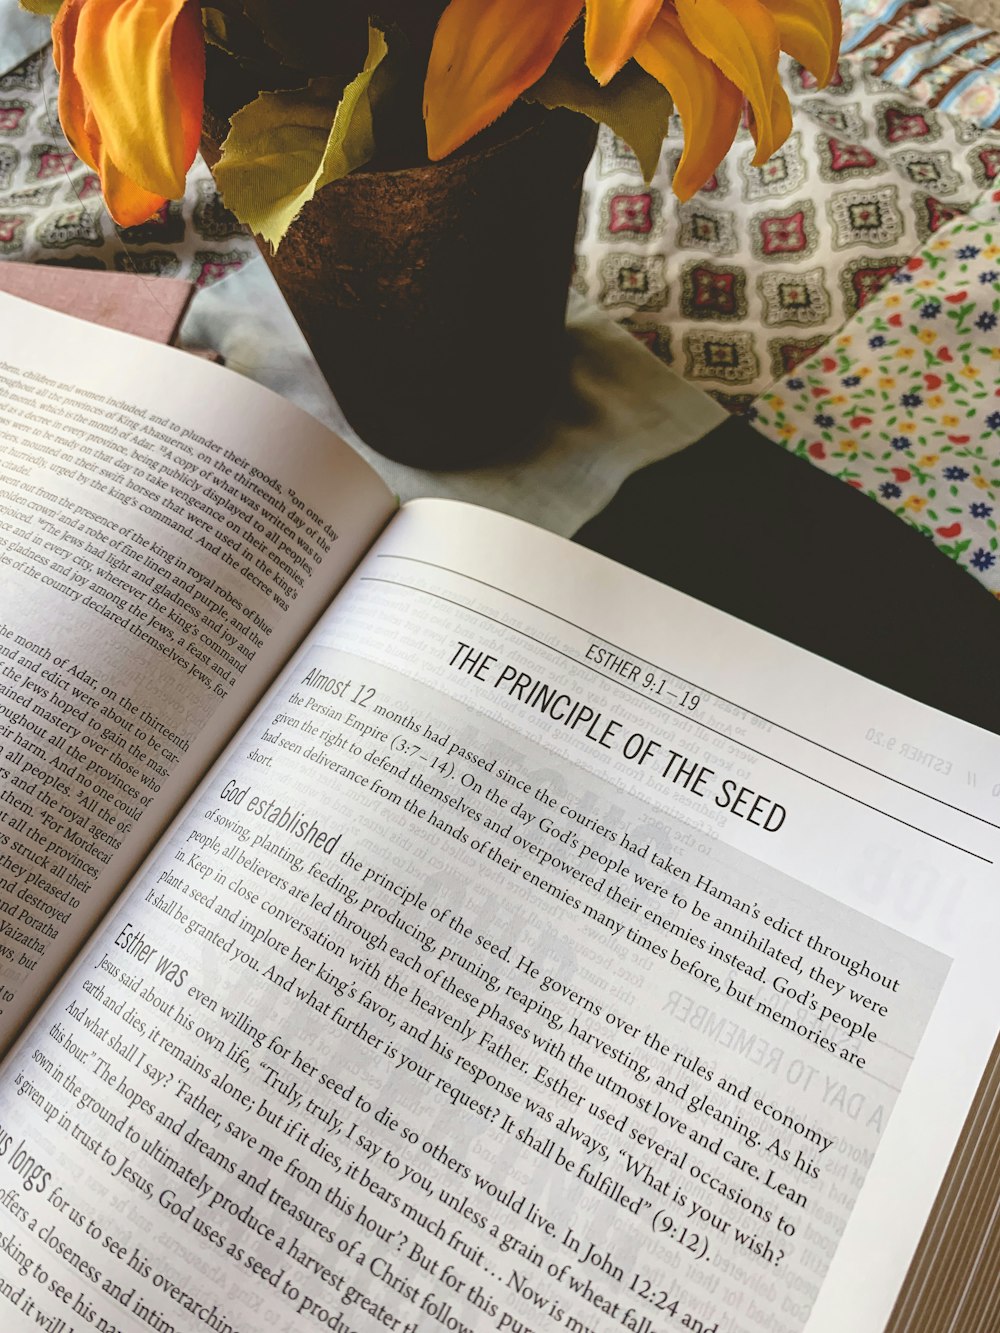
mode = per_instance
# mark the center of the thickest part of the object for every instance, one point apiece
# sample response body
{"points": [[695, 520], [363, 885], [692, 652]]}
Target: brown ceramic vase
{"points": [[434, 297]]}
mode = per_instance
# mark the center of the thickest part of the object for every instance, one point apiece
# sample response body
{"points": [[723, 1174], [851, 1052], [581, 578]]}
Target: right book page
{"points": [[549, 949], [780, 875]]}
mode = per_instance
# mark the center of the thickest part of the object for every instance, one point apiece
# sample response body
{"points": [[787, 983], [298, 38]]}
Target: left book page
{"points": [[168, 532]]}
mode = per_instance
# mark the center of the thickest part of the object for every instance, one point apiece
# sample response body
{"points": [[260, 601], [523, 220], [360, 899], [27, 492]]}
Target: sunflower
{"points": [[132, 77], [710, 55]]}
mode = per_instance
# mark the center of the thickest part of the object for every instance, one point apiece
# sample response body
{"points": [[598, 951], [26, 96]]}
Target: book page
{"points": [[548, 950], [167, 533]]}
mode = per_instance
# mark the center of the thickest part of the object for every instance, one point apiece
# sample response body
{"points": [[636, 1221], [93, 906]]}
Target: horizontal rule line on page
{"points": [[667, 671], [882, 1082], [809, 777]]}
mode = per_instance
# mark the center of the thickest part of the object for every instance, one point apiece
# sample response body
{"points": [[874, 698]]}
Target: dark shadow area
{"points": [[737, 522]]}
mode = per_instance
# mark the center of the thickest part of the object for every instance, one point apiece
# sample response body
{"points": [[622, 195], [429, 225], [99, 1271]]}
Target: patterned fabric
{"points": [[941, 57], [905, 404], [766, 263], [51, 209]]}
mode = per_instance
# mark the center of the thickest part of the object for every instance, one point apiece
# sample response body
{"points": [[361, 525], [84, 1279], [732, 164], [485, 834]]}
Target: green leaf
{"points": [[47, 8], [633, 105], [285, 146]]}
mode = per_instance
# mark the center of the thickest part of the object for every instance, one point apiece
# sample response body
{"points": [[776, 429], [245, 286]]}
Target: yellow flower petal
{"points": [[128, 203], [485, 53], [141, 64], [131, 79], [741, 38], [781, 121], [708, 104], [810, 31], [613, 30], [72, 103]]}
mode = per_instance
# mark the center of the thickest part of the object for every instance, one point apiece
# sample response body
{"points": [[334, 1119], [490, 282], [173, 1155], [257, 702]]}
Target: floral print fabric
{"points": [[905, 403]]}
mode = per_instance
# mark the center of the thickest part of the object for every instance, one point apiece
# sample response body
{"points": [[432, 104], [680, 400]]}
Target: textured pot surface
{"points": [[434, 298]]}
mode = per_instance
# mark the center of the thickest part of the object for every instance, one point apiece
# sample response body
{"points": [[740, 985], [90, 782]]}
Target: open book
{"points": [[411, 921]]}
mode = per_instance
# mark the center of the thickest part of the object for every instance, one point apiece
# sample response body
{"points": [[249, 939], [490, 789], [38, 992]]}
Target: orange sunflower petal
{"points": [[708, 104], [741, 37], [613, 30], [780, 116], [781, 120], [810, 31], [72, 103], [128, 203], [485, 53], [136, 73]]}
